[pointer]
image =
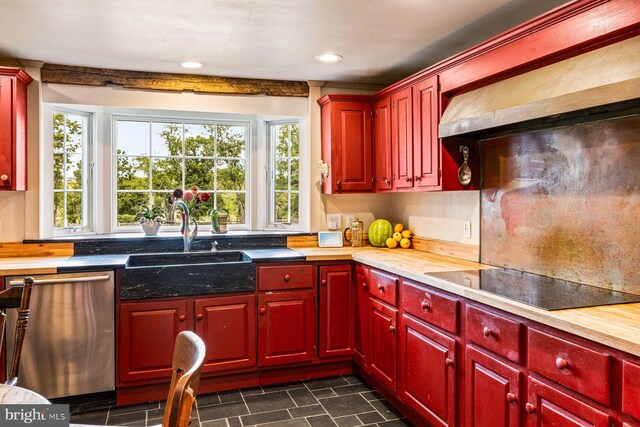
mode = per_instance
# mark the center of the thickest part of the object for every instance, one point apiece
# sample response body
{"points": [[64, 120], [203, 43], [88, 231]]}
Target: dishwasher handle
{"points": [[63, 280]]}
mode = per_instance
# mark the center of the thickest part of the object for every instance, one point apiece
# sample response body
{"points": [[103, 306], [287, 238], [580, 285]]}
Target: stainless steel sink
{"points": [[185, 258], [161, 275]]}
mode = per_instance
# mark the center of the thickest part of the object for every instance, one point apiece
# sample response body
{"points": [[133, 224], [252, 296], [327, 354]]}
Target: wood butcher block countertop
{"points": [[617, 326], [31, 265]]}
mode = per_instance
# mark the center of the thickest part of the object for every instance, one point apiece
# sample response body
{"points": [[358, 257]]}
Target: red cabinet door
{"points": [[402, 139], [426, 147], [336, 311], [382, 361], [361, 339], [427, 371], [286, 327], [631, 389], [13, 129], [227, 325], [493, 391], [346, 142], [382, 145], [147, 334], [6, 132], [549, 406]]}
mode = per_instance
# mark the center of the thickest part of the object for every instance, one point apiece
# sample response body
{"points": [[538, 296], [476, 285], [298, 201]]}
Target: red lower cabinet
{"points": [[147, 334], [631, 389], [336, 311], [286, 327], [382, 360], [362, 334], [228, 327], [547, 405], [493, 392], [427, 371]]}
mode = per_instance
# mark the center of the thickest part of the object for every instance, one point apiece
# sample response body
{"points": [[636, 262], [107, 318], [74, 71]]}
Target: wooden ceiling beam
{"points": [[65, 74]]}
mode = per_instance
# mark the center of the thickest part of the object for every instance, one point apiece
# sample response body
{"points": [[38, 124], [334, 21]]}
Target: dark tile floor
{"points": [[344, 401]]}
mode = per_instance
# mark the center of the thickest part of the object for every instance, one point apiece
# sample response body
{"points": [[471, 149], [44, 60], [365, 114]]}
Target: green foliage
{"points": [[150, 214]]}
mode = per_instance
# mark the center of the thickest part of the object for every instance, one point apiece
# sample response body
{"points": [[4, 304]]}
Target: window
{"points": [[284, 149], [71, 150], [155, 157]]}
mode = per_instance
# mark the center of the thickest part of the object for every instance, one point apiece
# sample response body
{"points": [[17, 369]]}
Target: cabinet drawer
{"points": [[494, 332], [383, 286], [434, 307], [631, 389], [574, 366], [290, 276]]}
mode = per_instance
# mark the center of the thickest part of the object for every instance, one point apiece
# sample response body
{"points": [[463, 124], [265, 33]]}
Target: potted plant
{"points": [[150, 219]]}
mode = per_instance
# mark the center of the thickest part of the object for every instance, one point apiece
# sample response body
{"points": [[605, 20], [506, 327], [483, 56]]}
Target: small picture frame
{"points": [[330, 239]]}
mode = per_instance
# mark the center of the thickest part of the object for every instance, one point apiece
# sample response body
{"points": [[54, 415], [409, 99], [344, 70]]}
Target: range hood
{"points": [[605, 76]]}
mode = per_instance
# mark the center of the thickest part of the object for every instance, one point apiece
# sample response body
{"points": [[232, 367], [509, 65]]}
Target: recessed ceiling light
{"points": [[192, 64], [329, 57]]}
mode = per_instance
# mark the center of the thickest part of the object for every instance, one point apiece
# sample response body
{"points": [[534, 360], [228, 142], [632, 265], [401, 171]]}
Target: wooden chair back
{"points": [[188, 358], [16, 297]]}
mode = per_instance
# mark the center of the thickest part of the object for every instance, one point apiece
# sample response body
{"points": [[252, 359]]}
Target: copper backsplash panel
{"points": [[565, 203]]}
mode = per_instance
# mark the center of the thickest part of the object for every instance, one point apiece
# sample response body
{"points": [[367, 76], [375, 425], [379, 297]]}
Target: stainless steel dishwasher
{"points": [[70, 339]]}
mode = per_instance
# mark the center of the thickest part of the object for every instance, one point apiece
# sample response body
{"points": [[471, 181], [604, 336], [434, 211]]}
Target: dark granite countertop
{"points": [[92, 263], [273, 255]]}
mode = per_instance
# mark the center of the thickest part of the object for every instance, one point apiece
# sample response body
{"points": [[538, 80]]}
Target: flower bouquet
{"points": [[195, 200]]}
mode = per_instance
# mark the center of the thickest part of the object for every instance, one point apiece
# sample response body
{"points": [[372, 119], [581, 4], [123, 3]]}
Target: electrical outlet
{"points": [[334, 221], [349, 218], [467, 229]]}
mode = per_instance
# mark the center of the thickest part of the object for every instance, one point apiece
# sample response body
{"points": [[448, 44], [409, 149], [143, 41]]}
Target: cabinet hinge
{"points": [[438, 86]]}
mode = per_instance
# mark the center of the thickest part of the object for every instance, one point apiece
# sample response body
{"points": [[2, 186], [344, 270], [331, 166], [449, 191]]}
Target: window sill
{"points": [[170, 235]]}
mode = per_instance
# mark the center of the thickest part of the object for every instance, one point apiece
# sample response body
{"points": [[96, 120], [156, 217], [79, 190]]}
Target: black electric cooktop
{"points": [[539, 291]]}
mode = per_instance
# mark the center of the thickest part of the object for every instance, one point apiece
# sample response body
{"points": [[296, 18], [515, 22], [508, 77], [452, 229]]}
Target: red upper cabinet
{"points": [[402, 139], [382, 145], [347, 143], [426, 147], [13, 129], [336, 311]]}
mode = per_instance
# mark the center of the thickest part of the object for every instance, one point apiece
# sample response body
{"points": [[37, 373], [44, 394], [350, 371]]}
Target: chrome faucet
{"points": [[187, 236], [215, 246]]}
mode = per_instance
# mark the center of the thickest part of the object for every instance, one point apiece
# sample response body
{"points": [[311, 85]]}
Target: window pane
{"points": [[199, 172], [73, 174], [58, 132], [58, 209], [74, 208], [231, 174], [201, 214], [74, 128], [133, 138], [295, 173], [58, 171], [295, 140], [281, 207], [231, 141], [235, 204], [129, 204], [133, 173], [282, 175], [166, 139], [295, 208], [167, 174], [282, 141], [199, 140]]}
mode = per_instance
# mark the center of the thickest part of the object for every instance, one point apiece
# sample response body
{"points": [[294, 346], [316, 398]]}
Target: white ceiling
{"points": [[381, 40]]}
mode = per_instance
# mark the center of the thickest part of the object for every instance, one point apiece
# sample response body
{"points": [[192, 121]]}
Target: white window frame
{"points": [[183, 120], [88, 173], [270, 165]]}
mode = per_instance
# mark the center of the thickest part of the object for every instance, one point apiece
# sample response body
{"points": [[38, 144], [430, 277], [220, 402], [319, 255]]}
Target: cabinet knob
{"points": [[409, 179], [323, 282], [530, 408], [387, 181], [448, 361], [182, 318], [199, 316], [364, 285], [339, 183], [287, 277], [263, 311], [561, 363], [487, 332], [511, 398], [392, 328], [417, 178], [380, 287], [425, 305], [4, 177]]}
